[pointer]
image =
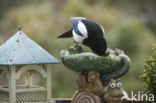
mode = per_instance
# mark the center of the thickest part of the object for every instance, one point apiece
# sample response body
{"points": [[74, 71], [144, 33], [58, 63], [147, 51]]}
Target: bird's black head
{"points": [[99, 47], [100, 52]]}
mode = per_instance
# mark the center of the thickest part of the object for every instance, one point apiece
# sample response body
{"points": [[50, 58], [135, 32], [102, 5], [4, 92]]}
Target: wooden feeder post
{"points": [[12, 84], [48, 83], [21, 55]]}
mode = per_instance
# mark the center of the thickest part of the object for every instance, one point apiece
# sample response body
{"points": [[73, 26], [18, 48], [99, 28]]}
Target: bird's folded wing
{"points": [[75, 20]]}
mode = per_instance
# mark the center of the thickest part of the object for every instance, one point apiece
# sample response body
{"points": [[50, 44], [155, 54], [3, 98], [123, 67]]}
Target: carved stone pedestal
{"points": [[95, 73], [90, 88], [85, 97]]}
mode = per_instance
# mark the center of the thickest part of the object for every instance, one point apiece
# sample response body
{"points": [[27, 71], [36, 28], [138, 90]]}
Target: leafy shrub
{"points": [[149, 75]]}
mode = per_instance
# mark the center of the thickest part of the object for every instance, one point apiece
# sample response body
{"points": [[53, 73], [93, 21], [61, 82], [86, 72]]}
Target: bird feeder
{"points": [[21, 55]]}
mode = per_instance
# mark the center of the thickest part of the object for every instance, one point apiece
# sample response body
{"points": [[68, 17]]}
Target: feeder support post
{"points": [[12, 84], [48, 82], [28, 78]]}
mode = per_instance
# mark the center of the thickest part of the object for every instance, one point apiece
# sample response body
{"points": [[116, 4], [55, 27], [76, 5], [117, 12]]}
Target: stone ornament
{"points": [[112, 66], [115, 93], [95, 73]]}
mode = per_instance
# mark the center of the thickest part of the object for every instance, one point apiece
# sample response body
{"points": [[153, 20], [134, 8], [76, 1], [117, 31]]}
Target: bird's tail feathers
{"points": [[67, 34]]}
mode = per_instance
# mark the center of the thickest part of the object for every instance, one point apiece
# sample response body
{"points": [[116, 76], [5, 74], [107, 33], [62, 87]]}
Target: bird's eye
{"points": [[113, 85], [119, 85]]}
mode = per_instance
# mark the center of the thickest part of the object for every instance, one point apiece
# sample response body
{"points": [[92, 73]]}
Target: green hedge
{"points": [[149, 75]]}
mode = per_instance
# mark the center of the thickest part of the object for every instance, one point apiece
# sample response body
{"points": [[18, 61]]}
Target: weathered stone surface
{"points": [[90, 83], [115, 65], [85, 97]]}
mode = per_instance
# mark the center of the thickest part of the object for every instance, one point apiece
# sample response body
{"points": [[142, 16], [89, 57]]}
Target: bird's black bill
{"points": [[67, 34]]}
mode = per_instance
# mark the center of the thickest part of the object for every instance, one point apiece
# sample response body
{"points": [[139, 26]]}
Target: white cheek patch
{"points": [[78, 38], [82, 29]]}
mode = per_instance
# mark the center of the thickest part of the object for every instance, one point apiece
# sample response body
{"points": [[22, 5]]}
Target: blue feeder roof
{"points": [[20, 49]]}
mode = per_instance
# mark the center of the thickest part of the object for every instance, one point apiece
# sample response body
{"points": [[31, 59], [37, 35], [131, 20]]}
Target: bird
{"points": [[88, 33]]}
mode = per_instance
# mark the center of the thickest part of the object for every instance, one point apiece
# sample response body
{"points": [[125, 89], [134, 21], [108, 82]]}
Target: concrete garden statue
{"points": [[95, 68]]}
